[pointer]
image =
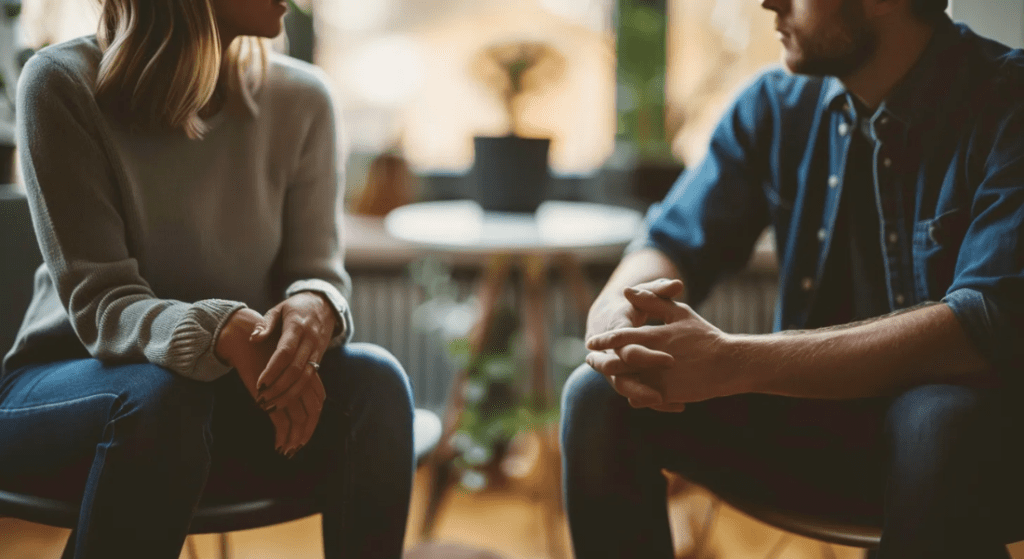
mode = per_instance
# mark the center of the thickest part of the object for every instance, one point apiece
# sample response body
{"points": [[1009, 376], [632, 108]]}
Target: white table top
{"points": [[581, 228]]}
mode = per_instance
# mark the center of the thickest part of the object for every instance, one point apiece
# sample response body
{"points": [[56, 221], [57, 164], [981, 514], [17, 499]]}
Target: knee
{"points": [[371, 374], [586, 391], [589, 404], [157, 405], [940, 415]]}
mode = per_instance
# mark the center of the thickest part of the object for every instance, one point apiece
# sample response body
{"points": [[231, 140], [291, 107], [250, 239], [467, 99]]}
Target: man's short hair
{"points": [[929, 10]]}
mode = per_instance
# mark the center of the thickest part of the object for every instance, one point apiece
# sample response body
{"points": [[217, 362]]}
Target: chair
{"points": [[19, 257], [826, 530]]}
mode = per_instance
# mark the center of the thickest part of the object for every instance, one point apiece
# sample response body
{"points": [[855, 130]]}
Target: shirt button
{"points": [[846, 107], [883, 121], [822, 234], [807, 284], [893, 238], [900, 299], [843, 128], [887, 162], [833, 181]]}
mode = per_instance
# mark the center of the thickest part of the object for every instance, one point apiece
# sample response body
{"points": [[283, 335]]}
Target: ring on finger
{"points": [[315, 365]]}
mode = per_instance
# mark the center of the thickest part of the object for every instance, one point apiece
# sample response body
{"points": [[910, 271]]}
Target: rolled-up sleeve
{"points": [[987, 293]]}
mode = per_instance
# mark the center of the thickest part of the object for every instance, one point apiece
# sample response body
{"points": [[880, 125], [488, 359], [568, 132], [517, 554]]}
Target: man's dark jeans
{"points": [[141, 446], [939, 467]]}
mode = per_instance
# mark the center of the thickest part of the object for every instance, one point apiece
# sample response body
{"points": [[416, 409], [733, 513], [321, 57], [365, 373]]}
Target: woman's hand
{"points": [[290, 379], [248, 359]]}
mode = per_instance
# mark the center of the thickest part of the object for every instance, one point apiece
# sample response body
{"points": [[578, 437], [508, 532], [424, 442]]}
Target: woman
{"points": [[180, 179]]}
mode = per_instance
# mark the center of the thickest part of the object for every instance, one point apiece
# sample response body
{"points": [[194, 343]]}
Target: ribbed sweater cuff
{"points": [[195, 337], [343, 314]]}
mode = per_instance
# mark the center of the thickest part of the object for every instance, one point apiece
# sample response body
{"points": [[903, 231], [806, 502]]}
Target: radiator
{"points": [[383, 302]]}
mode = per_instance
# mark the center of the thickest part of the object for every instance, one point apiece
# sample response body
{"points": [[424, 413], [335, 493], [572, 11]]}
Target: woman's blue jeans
{"points": [[939, 467], [141, 447]]}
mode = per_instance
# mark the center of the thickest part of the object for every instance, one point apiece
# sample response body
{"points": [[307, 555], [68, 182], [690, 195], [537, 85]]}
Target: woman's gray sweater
{"points": [[151, 240]]}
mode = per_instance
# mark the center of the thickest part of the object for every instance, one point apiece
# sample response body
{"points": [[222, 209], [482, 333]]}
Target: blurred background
{"points": [[623, 93]]}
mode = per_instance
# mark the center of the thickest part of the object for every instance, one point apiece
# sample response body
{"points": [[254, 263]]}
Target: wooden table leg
{"points": [[535, 329], [576, 280], [539, 390], [489, 291], [549, 492]]}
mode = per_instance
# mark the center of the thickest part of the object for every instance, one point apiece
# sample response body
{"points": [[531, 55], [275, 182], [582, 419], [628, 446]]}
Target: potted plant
{"points": [[496, 409], [511, 171]]}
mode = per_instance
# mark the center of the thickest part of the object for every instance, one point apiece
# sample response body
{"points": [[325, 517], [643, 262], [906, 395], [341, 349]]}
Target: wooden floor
{"points": [[506, 521]]}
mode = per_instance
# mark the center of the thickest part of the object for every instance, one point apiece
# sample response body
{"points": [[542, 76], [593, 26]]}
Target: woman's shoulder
{"points": [[71, 63], [294, 80]]}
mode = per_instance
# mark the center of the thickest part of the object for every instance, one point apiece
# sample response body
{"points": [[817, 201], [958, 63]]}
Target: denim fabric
{"points": [[141, 447], [947, 168], [944, 460]]}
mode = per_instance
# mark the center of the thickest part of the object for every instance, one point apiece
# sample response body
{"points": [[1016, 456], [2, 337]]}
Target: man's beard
{"points": [[840, 52]]}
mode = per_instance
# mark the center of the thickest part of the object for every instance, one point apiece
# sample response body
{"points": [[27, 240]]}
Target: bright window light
{"points": [[355, 15], [387, 71]]}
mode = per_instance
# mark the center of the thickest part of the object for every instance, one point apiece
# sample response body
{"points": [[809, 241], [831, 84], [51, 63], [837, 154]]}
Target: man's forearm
{"points": [[877, 358]]}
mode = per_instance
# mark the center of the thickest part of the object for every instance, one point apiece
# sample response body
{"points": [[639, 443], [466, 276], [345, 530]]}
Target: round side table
{"points": [[561, 235]]}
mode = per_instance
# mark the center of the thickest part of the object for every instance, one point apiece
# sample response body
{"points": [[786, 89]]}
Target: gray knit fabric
{"points": [[151, 240]]}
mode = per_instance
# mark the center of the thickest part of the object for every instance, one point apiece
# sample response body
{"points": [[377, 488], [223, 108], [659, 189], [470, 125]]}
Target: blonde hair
{"points": [[162, 59]]}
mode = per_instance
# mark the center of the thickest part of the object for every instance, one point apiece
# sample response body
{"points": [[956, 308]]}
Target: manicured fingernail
{"points": [[278, 449], [261, 402], [261, 387], [256, 332], [270, 408]]}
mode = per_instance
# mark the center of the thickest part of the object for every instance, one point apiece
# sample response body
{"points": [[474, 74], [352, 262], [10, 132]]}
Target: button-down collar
{"points": [[914, 96]]}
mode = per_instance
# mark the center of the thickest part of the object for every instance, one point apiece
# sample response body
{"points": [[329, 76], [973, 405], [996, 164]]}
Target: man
{"points": [[890, 163]]}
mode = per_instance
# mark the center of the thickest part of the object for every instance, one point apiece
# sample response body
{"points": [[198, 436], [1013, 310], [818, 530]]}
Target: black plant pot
{"points": [[510, 173]]}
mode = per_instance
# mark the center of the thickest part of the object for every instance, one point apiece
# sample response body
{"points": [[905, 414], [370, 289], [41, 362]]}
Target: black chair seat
{"points": [[797, 516], [821, 528]]}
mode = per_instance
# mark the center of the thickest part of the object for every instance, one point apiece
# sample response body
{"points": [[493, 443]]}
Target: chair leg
{"points": [[441, 483], [225, 547]]}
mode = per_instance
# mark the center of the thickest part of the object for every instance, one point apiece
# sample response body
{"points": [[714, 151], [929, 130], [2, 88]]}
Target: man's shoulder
{"points": [[995, 63]]}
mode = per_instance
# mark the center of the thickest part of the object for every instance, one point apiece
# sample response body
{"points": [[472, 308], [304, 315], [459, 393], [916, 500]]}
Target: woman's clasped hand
{"points": [[277, 357]]}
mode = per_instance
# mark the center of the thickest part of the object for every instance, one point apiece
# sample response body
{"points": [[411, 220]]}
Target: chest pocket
{"points": [[936, 247], [780, 208]]}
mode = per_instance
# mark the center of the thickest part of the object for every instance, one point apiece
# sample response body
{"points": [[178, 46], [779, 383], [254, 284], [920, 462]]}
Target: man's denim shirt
{"points": [[948, 170]]}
